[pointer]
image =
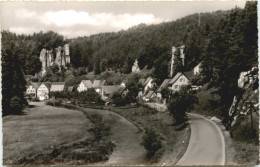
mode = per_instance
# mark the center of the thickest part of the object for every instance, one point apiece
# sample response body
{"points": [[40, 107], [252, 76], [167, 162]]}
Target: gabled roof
{"points": [[176, 77], [164, 85], [142, 81], [47, 84], [112, 89], [102, 83], [149, 94], [57, 86], [96, 83], [147, 80], [35, 85], [87, 83], [70, 88], [188, 74]]}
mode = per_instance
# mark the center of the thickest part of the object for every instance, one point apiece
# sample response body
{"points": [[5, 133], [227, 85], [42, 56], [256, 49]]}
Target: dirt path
{"points": [[127, 136]]}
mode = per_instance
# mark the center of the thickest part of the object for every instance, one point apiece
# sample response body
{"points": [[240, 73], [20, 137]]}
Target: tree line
{"points": [[225, 41]]}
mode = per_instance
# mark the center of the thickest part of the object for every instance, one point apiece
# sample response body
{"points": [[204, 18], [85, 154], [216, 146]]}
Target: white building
{"points": [[43, 91], [84, 85], [178, 81], [32, 89]]}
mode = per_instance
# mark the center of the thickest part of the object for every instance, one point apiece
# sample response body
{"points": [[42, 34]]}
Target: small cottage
{"points": [[162, 86], [84, 85], [108, 91], [43, 91], [97, 85], [32, 89], [178, 81]]}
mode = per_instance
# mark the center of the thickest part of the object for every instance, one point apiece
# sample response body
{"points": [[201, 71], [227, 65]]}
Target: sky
{"points": [[73, 19]]}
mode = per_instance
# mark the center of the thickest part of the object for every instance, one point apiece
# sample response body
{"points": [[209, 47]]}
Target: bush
{"points": [[242, 130], [50, 103], [53, 103], [36, 99], [153, 144]]}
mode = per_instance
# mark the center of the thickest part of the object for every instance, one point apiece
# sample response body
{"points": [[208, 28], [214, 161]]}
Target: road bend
{"points": [[206, 145]]}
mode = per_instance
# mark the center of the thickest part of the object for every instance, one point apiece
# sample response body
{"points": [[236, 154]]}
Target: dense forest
{"points": [[224, 41]]}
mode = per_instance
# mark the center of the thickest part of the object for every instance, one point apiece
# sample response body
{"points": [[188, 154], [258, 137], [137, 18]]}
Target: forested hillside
{"points": [[225, 41]]}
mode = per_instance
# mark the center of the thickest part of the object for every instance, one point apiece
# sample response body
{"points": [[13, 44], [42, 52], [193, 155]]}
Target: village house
{"points": [[109, 90], [43, 91], [57, 86], [148, 84], [84, 85], [178, 81], [32, 89], [162, 86], [149, 95], [197, 69], [97, 85]]}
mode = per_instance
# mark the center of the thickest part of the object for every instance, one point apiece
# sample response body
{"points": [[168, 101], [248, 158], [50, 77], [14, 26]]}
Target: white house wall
{"points": [[181, 81], [82, 87], [43, 92]]}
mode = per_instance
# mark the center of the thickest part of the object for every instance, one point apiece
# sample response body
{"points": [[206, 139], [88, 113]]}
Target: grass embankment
{"points": [[175, 139], [50, 135]]}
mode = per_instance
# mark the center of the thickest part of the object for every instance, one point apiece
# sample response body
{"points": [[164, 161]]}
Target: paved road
{"points": [[206, 146]]}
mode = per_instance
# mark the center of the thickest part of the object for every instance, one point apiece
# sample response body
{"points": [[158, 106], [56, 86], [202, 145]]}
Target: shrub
{"points": [[36, 99], [242, 130], [153, 144], [50, 103]]}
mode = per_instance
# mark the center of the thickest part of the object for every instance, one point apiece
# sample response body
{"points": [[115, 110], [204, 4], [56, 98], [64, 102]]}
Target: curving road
{"points": [[206, 146]]}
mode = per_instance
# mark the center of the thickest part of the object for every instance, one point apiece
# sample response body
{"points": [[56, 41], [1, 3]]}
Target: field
{"points": [[49, 135]]}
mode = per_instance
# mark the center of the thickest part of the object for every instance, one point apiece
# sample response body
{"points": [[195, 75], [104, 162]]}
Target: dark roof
{"points": [[70, 88], [112, 89], [36, 85], [188, 74], [174, 79], [142, 81], [147, 80], [47, 84], [149, 94], [164, 85]]}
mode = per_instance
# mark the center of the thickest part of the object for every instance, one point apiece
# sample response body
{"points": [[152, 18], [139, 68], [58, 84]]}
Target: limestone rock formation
{"points": [[135, 67], [61, 58]]}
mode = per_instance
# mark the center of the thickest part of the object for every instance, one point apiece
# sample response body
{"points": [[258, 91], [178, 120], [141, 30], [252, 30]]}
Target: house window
{"points": [[176, 86], [182, 80]]}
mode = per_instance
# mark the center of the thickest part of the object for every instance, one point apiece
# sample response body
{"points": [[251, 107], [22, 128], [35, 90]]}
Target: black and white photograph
{"points": [[129, 83]]}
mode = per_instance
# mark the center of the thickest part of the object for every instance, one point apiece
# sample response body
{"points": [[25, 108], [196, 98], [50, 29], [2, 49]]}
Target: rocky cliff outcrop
{"points": [[244, 111], [60, 56]]}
